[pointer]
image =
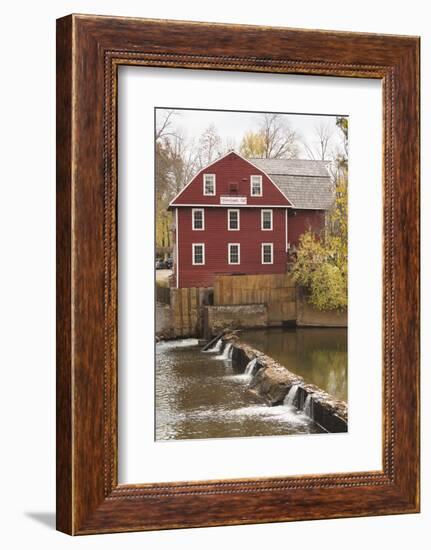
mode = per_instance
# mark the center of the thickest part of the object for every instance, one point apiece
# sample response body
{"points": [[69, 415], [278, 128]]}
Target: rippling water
{"points": [[201, 395]]}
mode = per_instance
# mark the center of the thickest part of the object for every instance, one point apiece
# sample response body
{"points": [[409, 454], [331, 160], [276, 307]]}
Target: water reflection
{"points": [[319, 355]]}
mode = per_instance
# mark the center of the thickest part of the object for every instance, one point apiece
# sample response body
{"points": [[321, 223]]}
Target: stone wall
{"points": [[308, 316], [192, 312], [163, 321], [219, 318]]}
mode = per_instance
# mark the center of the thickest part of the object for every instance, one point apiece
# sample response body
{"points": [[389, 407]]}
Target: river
{"points": [[319, 355], [203, 395]]}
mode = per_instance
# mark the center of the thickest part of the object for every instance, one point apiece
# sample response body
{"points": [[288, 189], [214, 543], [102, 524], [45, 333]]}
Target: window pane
{"points": [[198, 254], [209, 184], [233, 219], [267, 254], [267, 219], [198, 219], [256, 185], [234, 254]]}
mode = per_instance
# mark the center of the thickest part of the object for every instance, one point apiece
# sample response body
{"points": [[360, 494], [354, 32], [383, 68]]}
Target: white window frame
{"points": [[203, 219], [272, 253], [194, 245], [262, 212], [251, 186], [228, 219], [213, 176], [239, 253]]}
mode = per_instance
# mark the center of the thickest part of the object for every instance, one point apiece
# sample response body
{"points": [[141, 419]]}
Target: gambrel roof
{"points": [[231, 168], [306, 183]]}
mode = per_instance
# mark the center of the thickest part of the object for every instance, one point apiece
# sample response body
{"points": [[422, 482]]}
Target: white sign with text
{"points": [[233, 200]]}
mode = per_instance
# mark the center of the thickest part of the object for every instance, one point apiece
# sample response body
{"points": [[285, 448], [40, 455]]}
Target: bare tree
{"points": [[164, 123], [274, 139], [183, 161], [279, 140], [210, 146], [320, 149], [229, 144]]}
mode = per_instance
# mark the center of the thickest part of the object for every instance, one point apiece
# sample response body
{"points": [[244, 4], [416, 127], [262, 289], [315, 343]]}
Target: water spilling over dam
{"points": [[319, 355], [208, 395]]}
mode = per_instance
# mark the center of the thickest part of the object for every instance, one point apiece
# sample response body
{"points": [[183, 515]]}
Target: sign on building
{"points": [[227, 199]]}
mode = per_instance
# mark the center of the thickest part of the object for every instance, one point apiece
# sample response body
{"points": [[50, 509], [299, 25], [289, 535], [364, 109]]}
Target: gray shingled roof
{"points": [[306, 183]]}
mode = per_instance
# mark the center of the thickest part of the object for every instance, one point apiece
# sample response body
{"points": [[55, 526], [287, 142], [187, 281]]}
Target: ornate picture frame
{"points": [[89, 51]]}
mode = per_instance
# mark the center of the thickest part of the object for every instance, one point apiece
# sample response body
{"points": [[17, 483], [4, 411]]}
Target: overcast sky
{"points": [[232, 125]]}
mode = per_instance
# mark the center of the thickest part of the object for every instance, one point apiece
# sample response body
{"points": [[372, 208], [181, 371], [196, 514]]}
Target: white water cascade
{"points": [[250, 368], [308, 406], [289, 400], [217, 347], [172, 344], [214, 346], [227, 352]]}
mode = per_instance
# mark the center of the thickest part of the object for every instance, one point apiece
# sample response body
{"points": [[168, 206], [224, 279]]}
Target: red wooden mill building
{"points": [[243, 216]]}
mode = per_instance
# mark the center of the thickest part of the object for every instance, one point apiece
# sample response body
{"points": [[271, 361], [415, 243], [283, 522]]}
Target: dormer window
{"points": [[209, 184], [256, 186]]}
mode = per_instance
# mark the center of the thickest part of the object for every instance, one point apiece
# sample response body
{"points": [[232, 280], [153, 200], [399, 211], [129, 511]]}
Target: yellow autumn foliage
{"points": [[321, 263]]}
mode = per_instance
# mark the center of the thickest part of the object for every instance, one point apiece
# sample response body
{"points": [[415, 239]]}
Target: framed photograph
{"points": [[237, 274]]}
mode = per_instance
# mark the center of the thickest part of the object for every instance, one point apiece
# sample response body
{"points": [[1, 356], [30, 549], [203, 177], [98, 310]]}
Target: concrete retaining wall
{"points": [[192, 313], [219, 318], [308, 316], [163, 321], [302, 314]]}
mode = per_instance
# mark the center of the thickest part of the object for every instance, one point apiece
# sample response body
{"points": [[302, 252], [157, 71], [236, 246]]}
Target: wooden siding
{"points": [[231, 169], [277, 292], [300, 221], [163, 294], [216, 237], [185, 318]]}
